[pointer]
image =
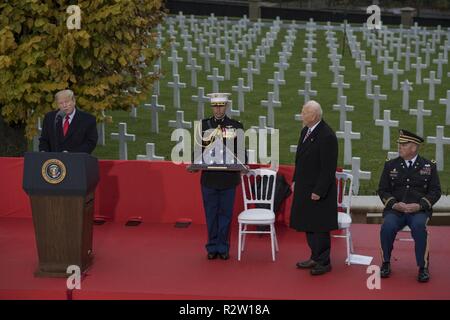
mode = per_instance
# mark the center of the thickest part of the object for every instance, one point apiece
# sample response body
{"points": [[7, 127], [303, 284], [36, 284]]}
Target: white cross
{"points": [[150, 153], [368, 77], [215, 78], [309, 58], [271, 103], [342, 107], [308, 73], [193, 67], [395, 71], [180, 123], [439, 140], [282, 65], [406, 88], [276, 82], [207, 55], [446, 102], [123, 137], [432, 81], [440, 61], [407, 56], [336, 68], [428, 50], [227, 62], [419, 66], [307, 92], [237, 52], [155, 108], [386, 58], [340, 85], [241, 89], [348, 136], [420, 112], [376, 97], [386, 123], [175, 59], [176, 85], [250, 71], [358, 174], [189, 49], [200, 98]]}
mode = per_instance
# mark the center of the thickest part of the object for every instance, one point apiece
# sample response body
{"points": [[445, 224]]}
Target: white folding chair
{"points": [[258, 188], [344, 201]]}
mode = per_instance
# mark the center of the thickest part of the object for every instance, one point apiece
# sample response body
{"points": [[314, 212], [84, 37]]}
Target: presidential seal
{"points": [[53, 171]]}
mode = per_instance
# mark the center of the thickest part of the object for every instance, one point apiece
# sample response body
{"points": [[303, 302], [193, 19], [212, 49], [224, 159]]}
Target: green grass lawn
{"points": [[368, 148]]}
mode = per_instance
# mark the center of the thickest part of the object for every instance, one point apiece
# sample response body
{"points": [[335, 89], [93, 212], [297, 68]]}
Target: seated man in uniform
{"points": [[409, 187]]}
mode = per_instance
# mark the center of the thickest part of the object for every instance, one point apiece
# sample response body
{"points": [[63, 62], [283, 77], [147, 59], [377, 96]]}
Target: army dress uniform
{"points": [[413, 181], [219, 188]]}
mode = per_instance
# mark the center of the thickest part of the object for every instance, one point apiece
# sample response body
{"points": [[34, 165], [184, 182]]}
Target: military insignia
{"points": [[425, 171], [433, 161], [427, 165], [53, 171], [393, 173]]}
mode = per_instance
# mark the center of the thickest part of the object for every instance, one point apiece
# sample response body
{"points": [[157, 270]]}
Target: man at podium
{"points": [[68, 129]]}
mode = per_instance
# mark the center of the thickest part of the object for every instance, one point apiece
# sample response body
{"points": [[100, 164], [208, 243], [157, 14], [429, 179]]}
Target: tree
{"points": [[102, 62]]}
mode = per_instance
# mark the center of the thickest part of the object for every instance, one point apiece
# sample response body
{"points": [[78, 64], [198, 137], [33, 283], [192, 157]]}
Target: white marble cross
{"points": [[175, 59], [180, 123], [230, 112], [123, 138], [227, 62], [282, 65], [193, 67], [336, 68], [386, 123], [440, 61], [348, 135], [307, 92], [432, 81], [309, 58], [376, 96], [368, 78], [340, 85], [150, 153], [237, 52], [395, 71], [428, 51], [342, 107], [215, 78], [241, 89], [439, 140], [200, 98], [406, 88], [271, 103], [419, 66], [420, 112], [189, 49], [207, 55], [176, 85], [276, 82], [250, 71], [357, 174], [446, 102], [308, 73], [407, 56], [155, 108], [386, 58]]}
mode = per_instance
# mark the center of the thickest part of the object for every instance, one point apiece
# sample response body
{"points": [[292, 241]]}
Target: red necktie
{"points": [[66, 125]]}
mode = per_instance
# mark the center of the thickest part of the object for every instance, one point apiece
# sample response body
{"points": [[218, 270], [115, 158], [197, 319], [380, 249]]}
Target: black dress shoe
{"points": [[308, 264], [319, 269], [212, 255], [385, 270], [224, 256], [424, 275]]}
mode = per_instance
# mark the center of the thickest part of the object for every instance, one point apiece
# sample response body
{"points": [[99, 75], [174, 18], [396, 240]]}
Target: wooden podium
{"points": [[61, 187]]}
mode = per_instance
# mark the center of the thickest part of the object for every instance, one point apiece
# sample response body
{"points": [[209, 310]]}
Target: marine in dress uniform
{"points": [[219, 187], [409, 187]]}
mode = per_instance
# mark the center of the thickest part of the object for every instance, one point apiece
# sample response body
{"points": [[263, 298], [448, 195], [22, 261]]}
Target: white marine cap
{"points": [[219, 99]]}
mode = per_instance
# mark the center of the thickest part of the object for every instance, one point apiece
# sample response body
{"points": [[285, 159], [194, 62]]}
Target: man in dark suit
{"points": [[68, 129], [409, 187], [314, 207]]}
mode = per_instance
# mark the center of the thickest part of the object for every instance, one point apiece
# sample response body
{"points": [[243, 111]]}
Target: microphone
{"points": [[58, 118], [61, 114]]}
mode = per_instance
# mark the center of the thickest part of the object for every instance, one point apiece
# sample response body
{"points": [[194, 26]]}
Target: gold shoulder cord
{"points": [[215, 134]]}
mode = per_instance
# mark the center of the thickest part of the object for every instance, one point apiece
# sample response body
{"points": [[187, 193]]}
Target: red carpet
{"points": [[158, 261]]}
